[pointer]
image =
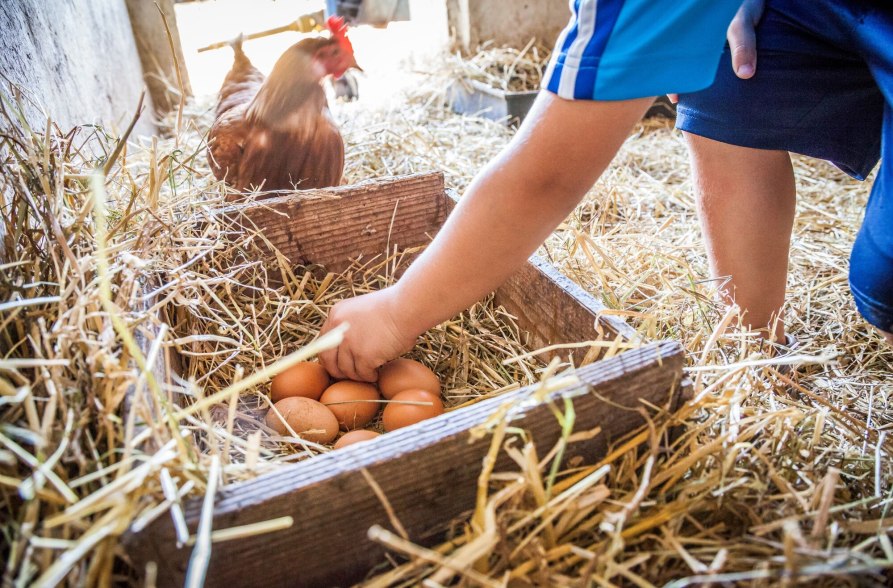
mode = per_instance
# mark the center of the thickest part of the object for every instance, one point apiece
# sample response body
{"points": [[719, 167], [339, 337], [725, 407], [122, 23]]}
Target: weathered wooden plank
{"points": [[76, 61], [160, 69], [427, 471], [331, 226], [553, 309]]}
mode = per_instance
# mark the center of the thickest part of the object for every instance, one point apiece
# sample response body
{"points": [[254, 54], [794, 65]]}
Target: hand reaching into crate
{"points": [[508, 211], [379, 331]]}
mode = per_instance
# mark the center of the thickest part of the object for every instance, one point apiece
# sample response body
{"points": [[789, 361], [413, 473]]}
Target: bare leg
{"points": [[888, 337], [746, 201]]}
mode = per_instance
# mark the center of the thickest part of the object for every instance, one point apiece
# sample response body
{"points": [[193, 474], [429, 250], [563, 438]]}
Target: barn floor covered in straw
{"points": [[765, 477]]}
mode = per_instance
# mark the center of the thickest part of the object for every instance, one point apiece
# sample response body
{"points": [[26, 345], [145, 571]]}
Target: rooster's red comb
{"points": [[338, 29], [336, 25]]}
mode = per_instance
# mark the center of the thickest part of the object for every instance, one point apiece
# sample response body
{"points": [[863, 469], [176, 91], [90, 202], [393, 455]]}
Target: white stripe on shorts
{"points": [[585, 29], [550, 69]]}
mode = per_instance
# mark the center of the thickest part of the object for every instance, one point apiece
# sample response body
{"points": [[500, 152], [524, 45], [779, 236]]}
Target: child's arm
{"points": [[507, 212]]}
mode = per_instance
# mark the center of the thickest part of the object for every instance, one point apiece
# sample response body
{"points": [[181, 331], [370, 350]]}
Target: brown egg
{"points": [[350, 402], [309, 419], [357, 436], [402, 374], [307, 379], [397, 416]]}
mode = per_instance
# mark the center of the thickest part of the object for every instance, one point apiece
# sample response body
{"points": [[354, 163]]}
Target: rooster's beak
{"points": [[353, 64]]}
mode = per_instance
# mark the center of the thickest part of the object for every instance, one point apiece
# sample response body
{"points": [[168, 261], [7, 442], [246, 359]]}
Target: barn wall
{"points": [[77, 58], [507, 22]]}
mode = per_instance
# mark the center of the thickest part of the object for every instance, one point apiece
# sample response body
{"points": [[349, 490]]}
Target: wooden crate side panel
{"points": [[332, 226], [427, 471], [553, 309]]}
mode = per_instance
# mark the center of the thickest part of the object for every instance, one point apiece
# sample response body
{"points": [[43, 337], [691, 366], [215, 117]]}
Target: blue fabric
{"points": [[606, 18], [871, 261], [565, 40], [624, 49], [823, 88]]}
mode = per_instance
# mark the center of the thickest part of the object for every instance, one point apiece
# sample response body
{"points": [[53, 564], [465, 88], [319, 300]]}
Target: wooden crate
{"points": [[427, 471]]}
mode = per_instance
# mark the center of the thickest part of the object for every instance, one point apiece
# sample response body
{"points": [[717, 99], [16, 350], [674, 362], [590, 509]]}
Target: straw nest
{"points": [[505, 68], [769, 478], [233, 315]]}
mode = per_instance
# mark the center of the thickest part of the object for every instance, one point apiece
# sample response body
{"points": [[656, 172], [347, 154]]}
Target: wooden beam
{"points": [[159, 64], [427, 471], [554, 310]]}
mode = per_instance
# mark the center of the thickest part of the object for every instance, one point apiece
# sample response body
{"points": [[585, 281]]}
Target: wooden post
{"points": [[159, 62], [459, 23]]}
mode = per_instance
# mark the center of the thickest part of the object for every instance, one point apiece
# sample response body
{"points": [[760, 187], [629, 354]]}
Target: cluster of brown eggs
{"points": [[307, 402]]}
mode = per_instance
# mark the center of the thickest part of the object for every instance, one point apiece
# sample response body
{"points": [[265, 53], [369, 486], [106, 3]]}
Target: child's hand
{"points": [[375, 336]]}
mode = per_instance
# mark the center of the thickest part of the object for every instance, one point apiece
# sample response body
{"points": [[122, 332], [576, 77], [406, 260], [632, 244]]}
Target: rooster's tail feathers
{"points": [[236, 44]]}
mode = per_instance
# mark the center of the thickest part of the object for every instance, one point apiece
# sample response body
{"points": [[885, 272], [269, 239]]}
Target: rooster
{"points": [[277, 132]]}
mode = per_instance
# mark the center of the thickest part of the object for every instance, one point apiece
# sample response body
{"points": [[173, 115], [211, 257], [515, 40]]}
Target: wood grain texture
{"points": [[77, 63], [427, 471], [553, 309], [159, 65], [331, 226]]}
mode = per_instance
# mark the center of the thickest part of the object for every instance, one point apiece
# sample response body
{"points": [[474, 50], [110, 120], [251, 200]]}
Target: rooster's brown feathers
{"points": [[276, 133]]}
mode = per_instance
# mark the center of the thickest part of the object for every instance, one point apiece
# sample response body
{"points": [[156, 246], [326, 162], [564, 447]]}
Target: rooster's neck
{"points": [[277, 103]]}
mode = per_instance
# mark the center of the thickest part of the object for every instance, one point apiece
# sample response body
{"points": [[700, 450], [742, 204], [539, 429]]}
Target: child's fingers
{"points": [[329, 360], [345, 363], [743, 40], [365, 371]]}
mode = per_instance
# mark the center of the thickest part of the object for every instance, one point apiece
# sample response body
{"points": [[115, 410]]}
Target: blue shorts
{"points": [[623, 49], [823, 88]]}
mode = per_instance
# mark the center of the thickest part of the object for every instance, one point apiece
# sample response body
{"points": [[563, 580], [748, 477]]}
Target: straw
{"points": [[505, 68], [764, 476]]}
